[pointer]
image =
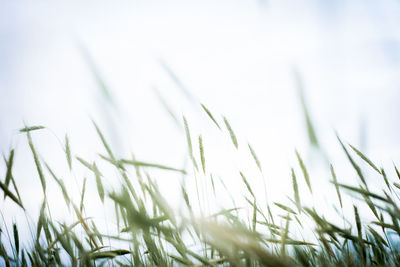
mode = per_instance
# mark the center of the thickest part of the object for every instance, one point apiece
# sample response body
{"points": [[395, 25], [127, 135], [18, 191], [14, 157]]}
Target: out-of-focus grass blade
{"points": [[353, 163], [284, 236], [3, 254], [66, 231], [188, 138], [363, 191], [37, 163], [103, 140], [176, 80], [82, 195], [9, 175], [247, 185], [396, 185], [203, 161], [358, 222], [97, 75], [85, 226], [304, 170], [100, 188], [397, 171], [9, 164], [10, 194], [31, 128], [210, 115], [231, 133], [166, 107], [336, 185], [359, 232], [68, 152], [254, 155], [285, 208], [296, 191], [60, 183], [367, 160], [150, 165], [385, 179], [189, 142], [85, 163], [312, 136]]}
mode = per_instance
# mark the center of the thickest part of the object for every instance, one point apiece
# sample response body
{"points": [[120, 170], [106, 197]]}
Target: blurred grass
{"points": [[150, 232]]}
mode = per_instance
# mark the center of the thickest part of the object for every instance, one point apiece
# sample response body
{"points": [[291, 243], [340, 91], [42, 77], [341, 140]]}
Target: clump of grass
{"points": [[150, 232]]}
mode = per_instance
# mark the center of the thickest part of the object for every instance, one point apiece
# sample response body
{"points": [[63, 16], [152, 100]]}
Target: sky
{"points": [[239, 58]]}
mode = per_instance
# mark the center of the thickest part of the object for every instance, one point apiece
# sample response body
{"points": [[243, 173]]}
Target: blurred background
{"points": [[136, 67]]}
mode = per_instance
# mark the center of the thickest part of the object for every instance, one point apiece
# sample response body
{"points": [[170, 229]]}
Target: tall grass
{"points": [[148, 231]]}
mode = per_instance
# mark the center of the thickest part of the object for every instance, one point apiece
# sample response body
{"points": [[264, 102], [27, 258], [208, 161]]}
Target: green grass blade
{"points": [[60, 183], [367, 160], [68, 152], [82, 194], [203, 161], [231, 133], [150, 165], [167, 107], [105, 90], [254, 155], [189, 142], [304, 170], [9, 164], [296, 191], [177, 81], [336, 185], [10, 195], [99, 184], [37, 163], [312, 136], [31, 128], [85, 163], [16, 237], [353, 163], [285, 208], [103, 140], [210, 115], [244, 179], [385, 179]]}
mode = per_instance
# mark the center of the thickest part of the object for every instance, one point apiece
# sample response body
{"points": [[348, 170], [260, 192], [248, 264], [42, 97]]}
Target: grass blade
{"points": [[68, 152], [336, 185], [296, 191], [312, 136], [304, 170], [231, 133], [210, 115], [99, 184], [150, 165], [247, 185], [31, 128], [10, 195], [353, 163], [254, 155], [37, 163], [367, 160], [103, 140], [9, 164], [203, 161]]}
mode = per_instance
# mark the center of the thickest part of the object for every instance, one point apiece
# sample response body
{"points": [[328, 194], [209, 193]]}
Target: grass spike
{"points": [[231, 133], [210, 115], [304, 170]]}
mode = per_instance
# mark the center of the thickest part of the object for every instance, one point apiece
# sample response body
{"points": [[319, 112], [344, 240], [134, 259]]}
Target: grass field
{"points": [[141, 228]]}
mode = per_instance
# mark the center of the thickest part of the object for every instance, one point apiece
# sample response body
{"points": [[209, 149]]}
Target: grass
{"points": [[148, 231]]}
